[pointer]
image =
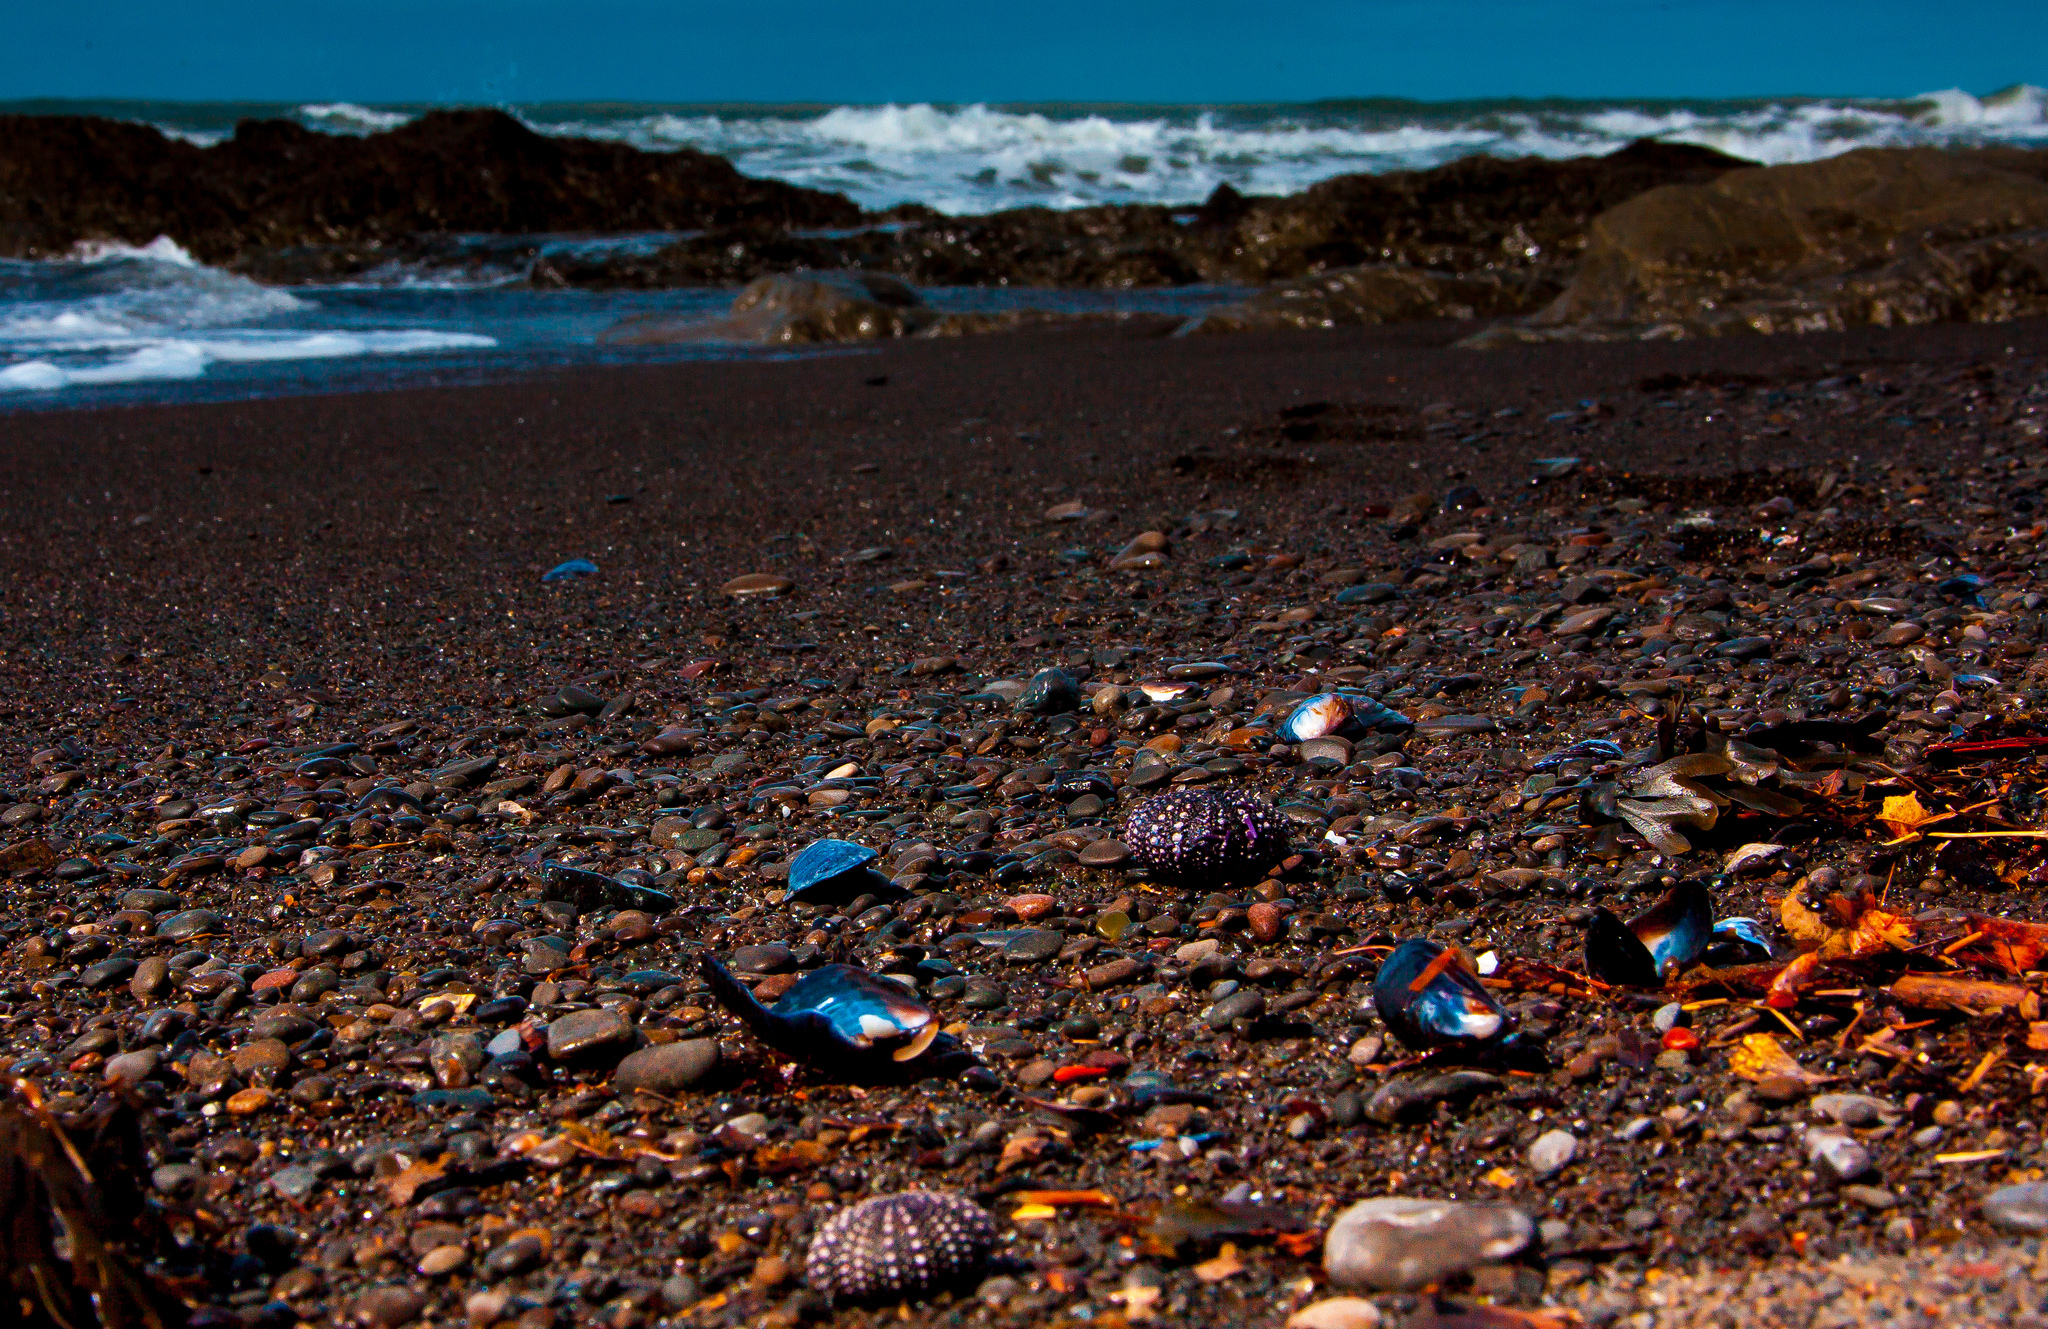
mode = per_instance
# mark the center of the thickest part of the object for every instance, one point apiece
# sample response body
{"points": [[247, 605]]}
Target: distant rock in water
{"points": [[804, 308], [276, 184], [1879, 236], [818, 307], [1380, 293]]}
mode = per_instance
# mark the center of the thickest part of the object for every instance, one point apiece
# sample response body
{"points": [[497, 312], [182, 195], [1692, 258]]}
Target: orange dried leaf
{"points": [[1092, 1199], [2010, 944], [1759, 1057], [1225, 1265], [1784, 989], [1902, 815], [400, 1187], [775, 1159]]}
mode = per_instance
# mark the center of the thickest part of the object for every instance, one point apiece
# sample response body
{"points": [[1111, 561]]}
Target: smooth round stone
{"points": [[515, 1257], [1855, 1109], [191, 923], [508, 1040], [583, 1034], [386, 1307], [1336, 1313], [1034, 947], [501, 1010], [1105, 854], [131, 1068], [1744, 648], [1550, 1151], [1087, 805], [773, 958], [667, 1067], [1147, 774], [983, 995], [1456, 724], [151, 901], [106, 973], [1197, 669], [1837, 1156], [443, 1260], [1398, 1243], [1243, 1004], [331, 941], [286, 1024], [2021, 1208], [668, 832], [264, 1054], [1329, 748], [295, 1183], [758, 584]]}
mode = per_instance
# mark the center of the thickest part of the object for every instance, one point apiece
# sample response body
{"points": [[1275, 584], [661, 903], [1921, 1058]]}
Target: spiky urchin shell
{"points": [[1198, 834], [899, 1245]]}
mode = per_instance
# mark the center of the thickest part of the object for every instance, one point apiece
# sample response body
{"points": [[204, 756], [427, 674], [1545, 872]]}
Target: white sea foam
{"points": [[349, 118], [174, 358], [123, 314], [982, 158]]}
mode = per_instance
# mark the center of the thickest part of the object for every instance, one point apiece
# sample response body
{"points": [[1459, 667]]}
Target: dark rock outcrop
{"points": [[1479, 214], [276, 185], [1875, 236]]}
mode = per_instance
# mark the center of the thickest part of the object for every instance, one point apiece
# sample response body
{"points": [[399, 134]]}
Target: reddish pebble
{"points": [[1106, 1060], [1028, 907], [276, 978], [1265, 919], [1069, 1074], [1681, 1040]]}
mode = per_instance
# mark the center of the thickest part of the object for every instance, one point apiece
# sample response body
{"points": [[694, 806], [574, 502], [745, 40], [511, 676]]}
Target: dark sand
{"points": [[185, 580]]}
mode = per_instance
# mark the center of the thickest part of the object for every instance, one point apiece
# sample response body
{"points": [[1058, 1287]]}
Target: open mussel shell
{"points": [[1615, 955], [1320, 716], [1738, 941], [1656, 943], [594, 890], [842, 1020], [833, 872], [1429, 996], [1592, 751]]}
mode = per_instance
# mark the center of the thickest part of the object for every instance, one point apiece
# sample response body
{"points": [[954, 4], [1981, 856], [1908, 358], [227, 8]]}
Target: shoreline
{"points": [[198, 585]]}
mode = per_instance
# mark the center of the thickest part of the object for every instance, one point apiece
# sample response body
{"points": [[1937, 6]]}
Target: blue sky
{"points": [[1098, 50]]}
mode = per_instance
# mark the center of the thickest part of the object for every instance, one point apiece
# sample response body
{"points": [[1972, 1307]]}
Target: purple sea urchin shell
{"points": [[1206, 834], [900, 1245]]}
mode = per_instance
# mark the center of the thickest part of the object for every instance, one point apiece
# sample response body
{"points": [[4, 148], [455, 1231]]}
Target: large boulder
{"points": [[1876, 236]]}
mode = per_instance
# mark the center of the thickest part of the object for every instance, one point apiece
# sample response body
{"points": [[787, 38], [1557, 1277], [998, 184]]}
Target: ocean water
{"points": [[122, 324], [117, 325], [981, 158]]}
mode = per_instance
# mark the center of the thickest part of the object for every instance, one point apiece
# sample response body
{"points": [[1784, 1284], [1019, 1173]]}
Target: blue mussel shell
{"points": [[1430, 998], [1656, 943], [844, 1021], [827, 871]]}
